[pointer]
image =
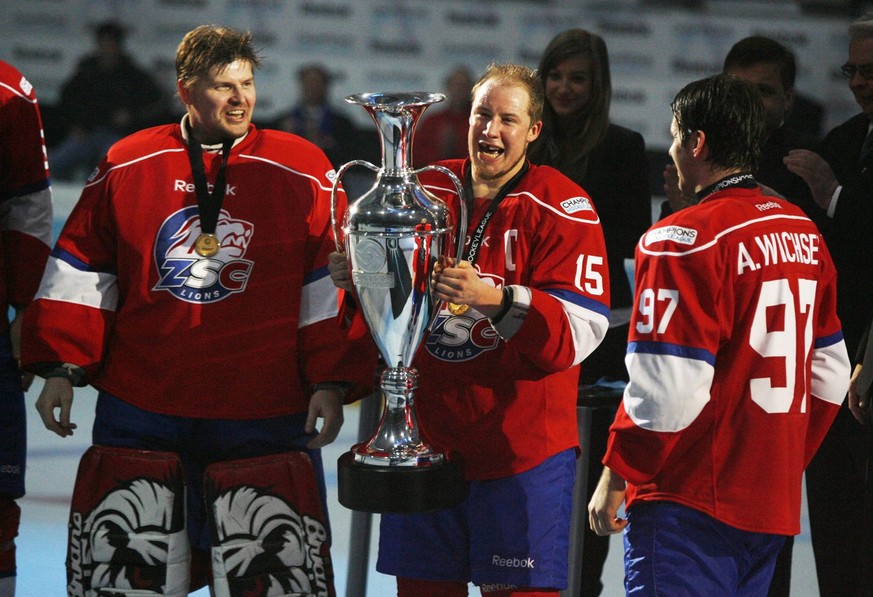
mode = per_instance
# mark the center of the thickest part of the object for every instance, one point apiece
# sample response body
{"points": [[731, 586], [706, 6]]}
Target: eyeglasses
{"points": [[865, 70]]}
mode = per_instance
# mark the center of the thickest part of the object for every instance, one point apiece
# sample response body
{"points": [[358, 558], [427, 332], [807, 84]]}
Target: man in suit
{"points": [[860, 395], [770, 67], [862, 381], [840, 178]]}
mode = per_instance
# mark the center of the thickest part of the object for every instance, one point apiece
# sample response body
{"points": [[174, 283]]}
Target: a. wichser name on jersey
{"points": [[778, 247]]}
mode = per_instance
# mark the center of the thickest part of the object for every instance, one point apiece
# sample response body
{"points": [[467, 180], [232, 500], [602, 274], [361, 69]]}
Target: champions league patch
{"points": [[25, 86], [575, 204], [678, 234], [196, 279]]}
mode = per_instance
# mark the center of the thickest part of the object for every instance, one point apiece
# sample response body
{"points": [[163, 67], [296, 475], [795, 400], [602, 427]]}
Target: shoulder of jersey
{"points": [[551, 188], [145, 142], [700, 224], [437, 181], [165, 137], [281, 141], [17, 82], [692, 226], [137, 148], [291, 151]]}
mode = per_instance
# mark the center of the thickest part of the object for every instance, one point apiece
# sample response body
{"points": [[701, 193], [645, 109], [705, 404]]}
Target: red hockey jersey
{"points": [[505, 398], [25, 192], [242, 334], [736, 359]]}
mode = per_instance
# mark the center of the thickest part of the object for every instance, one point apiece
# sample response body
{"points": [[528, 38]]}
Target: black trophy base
{"points": [[375, 488]]}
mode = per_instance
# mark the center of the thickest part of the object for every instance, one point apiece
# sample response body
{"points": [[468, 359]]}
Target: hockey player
{"points": [[499, 382], [25, 231], [737, 367], [190, 287]]}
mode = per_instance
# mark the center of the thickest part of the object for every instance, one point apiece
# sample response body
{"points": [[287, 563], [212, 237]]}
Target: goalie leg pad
{"points": [[127, 531], [269, 531]]}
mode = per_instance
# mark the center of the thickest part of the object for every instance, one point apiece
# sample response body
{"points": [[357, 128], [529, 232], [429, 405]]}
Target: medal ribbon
{"points": [[479, 233], [208, 206], [740, 180]]}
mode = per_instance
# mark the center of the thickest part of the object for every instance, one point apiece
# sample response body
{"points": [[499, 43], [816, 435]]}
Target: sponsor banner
{"points": [[383, 45]]}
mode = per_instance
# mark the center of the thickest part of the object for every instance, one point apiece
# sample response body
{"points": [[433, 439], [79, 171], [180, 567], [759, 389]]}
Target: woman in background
{"points": [[609, 162]]}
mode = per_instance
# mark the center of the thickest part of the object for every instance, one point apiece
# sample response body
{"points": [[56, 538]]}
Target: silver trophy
{"points": [[392, 236]]}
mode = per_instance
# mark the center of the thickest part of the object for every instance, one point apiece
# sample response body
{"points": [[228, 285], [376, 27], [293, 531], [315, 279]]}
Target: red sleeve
{"points": [[81, 278], [24, 188], [332, 352]]}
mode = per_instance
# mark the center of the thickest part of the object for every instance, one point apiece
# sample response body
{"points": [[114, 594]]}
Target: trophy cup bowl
{"points": [[392, 237]]}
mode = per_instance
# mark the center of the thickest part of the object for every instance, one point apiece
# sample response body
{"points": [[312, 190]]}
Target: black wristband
{"points": [[342, 387], [75, 375], [505, 305]]}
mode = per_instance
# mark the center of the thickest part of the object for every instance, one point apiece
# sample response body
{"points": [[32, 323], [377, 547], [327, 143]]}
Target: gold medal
{"points": [[456, 309], [207, 245]]}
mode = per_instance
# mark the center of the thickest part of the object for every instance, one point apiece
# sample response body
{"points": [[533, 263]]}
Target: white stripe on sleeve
{"points": [[831, 371], [666, 393], [588, 327], [30, 214], [62, 282], [319, 302]]}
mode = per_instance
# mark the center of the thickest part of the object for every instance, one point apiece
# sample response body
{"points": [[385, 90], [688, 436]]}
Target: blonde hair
{"points": [[522, 76]]}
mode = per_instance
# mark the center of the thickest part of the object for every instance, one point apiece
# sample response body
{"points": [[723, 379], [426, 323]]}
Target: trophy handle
{"points": [[336, 182], [462, 225]]}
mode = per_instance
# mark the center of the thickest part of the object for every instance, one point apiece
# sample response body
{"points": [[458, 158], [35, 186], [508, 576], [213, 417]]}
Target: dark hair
{"points": [[729, 112], [568, 148], [522, 76], [111, 30], [210, 46], [758, 49]]}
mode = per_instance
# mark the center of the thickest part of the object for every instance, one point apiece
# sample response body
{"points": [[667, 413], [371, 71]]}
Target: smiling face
{"points": [[568, 86], [500, 131], [220, 105]]}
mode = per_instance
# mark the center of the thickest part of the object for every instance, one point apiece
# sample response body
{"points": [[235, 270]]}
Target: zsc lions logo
{"points": [[266, 547], [133, 538], [456, 338], [197, 279]]}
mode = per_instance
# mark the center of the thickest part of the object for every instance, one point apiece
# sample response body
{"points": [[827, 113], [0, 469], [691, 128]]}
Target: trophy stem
{"points": [[397, 131], [397, 441]]}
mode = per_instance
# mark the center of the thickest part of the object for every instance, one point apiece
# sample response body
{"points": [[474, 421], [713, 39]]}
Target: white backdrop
{"points": [[392, 45]]}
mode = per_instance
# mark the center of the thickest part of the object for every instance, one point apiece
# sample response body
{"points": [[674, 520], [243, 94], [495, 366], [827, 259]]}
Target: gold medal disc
{"points": [[456, 309], [207, 245]]}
